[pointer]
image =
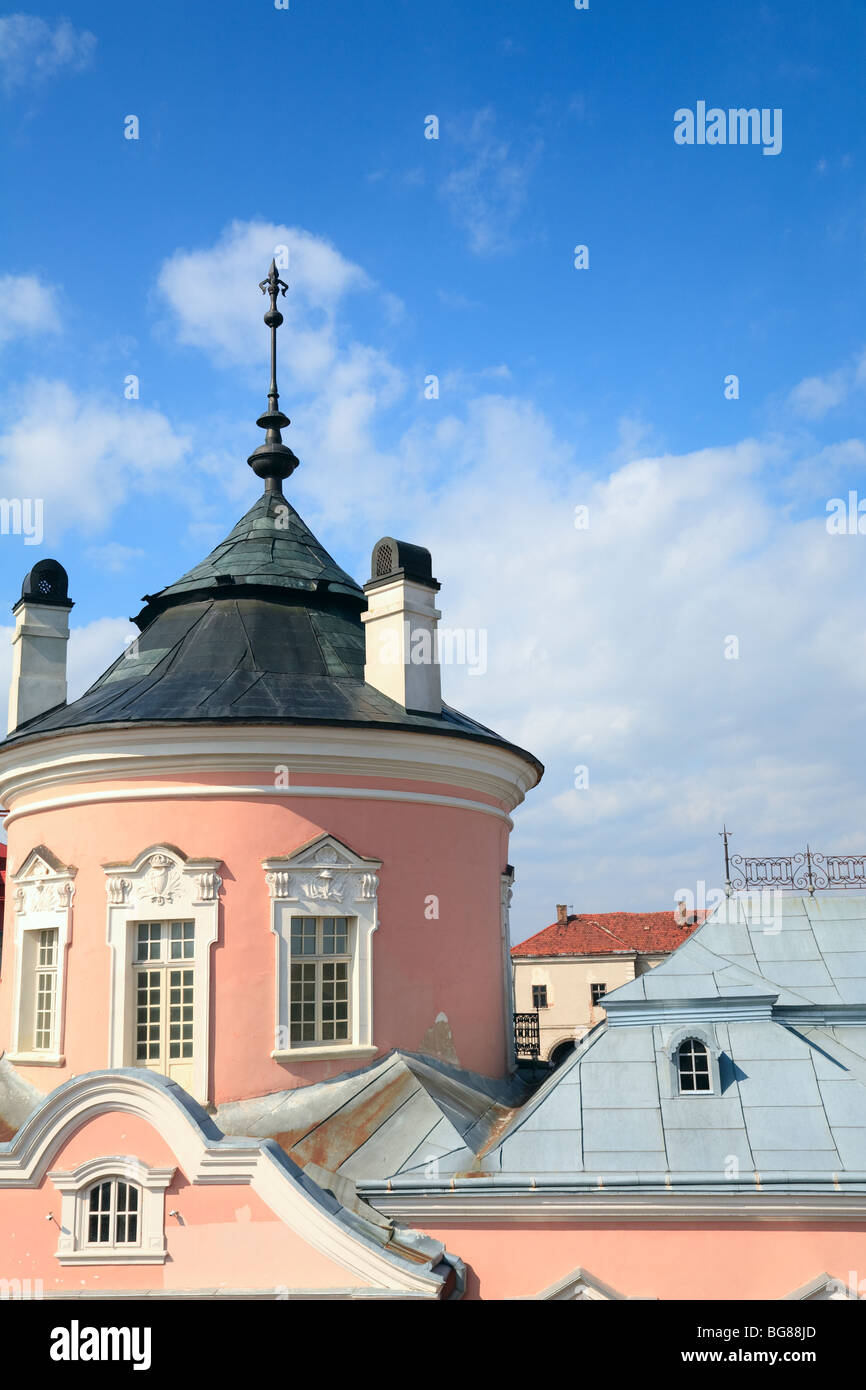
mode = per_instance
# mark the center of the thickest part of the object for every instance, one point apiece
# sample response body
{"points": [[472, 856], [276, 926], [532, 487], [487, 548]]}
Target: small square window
{"points": [[597, 992]]}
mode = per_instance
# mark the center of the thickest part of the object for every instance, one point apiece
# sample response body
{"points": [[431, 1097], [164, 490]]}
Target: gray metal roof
{"points": [[403, 1113], [778, 989], [788, 1108]]}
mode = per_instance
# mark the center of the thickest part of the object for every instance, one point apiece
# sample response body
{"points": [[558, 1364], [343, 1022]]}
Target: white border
{"points": [[42, 900], [144, 891], [50, 761], [324, 879]]}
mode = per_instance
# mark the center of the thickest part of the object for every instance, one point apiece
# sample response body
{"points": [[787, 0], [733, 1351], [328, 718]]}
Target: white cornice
{"points": [[534, 1205], [105, 755]]}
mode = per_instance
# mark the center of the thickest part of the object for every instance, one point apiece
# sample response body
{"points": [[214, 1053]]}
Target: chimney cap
{"points": [[47, 583], [393, 559]]}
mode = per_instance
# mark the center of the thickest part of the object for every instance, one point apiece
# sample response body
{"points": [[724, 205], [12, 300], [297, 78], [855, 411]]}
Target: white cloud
{"points": [[342, 383], [32, 50], [26, 307], [81, 456], [815, 395], [486, 189], [113, 556], [214, 306]]}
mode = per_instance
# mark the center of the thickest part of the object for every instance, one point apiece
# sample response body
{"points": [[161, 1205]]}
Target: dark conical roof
{"points": [[266, 630], [271, 547]]}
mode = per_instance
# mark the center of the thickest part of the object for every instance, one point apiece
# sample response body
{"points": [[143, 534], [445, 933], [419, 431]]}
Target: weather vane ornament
{"points": [[273, 461]]}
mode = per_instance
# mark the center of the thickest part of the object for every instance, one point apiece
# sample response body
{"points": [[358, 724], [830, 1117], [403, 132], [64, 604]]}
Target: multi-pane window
{"points": [[112, 1213], [539, 996], [45, 997], [321, 972], [164, 996], [596, 992], [693, 1066]]}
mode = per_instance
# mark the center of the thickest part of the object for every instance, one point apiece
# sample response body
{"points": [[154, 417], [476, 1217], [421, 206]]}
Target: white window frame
{"points": [[708, 1039], [42, 901], [75, 1188], [161, 885], [324, 878]]}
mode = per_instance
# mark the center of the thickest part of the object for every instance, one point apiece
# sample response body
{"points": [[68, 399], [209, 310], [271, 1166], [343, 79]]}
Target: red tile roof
{"points": [[610, 933]]}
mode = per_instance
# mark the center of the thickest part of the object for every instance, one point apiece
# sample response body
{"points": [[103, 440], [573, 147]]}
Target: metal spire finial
{"points": [[725, 834], [273, 461]]}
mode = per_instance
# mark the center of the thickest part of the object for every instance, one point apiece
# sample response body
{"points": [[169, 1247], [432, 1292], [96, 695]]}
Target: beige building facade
{"points": [[564, 971]]}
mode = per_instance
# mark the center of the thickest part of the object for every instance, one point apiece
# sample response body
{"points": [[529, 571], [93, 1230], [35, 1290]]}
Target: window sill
{"points": [[111, 1257], [323, 1053], [36, 1059]]}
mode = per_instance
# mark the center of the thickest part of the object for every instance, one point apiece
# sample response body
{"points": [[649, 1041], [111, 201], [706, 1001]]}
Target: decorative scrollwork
{"points": [[806, 871]]}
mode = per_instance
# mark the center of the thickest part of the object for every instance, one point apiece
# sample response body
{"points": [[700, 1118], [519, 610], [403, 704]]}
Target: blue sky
{"points": [[558, 387]]}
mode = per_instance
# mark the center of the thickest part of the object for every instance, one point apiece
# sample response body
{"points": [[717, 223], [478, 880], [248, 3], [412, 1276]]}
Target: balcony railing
{"points": [[807, 872], [527, 1035]]}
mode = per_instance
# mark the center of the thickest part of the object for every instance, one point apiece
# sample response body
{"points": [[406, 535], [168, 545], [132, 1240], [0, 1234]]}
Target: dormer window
{"points": [[112, 1212], [693, 1067]]}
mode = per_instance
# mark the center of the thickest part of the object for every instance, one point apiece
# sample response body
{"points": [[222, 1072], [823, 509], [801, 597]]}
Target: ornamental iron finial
{"points": [[273, 461], [725, 834]]}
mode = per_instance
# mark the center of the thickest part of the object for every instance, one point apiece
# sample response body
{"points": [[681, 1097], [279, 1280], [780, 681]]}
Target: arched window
{"points": [[693, 1067], [112, 1212], [113, 1209]]}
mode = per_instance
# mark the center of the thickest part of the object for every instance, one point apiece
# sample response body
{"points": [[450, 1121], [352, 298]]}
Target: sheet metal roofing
{"points": [[778, 999], [267, 629], [609, 933], [271, 546], [777, 991]]}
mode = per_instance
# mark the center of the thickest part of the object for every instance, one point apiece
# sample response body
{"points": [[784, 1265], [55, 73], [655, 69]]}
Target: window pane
{"points": [[182, 940], [180, 999], [47, 947], [303, 936], [148, 941], [45, 987], [147, 999]]}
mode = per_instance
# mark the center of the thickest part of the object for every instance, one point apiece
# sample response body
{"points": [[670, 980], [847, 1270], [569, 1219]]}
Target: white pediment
{"points": [[579, 1286], [326, 872]]}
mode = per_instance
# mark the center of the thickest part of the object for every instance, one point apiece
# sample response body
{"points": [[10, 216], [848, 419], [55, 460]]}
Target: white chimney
{"points": [[401, 618], [39, 644]]}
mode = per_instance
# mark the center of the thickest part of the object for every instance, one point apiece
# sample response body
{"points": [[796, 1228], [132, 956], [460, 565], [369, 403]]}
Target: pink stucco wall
{"points": [[421, 968], [667, 1261], [224, 1235]]}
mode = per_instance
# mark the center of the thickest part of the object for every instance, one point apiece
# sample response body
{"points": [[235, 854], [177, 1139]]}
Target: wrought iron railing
{"points": [[527, 1035], [804, 872]]}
